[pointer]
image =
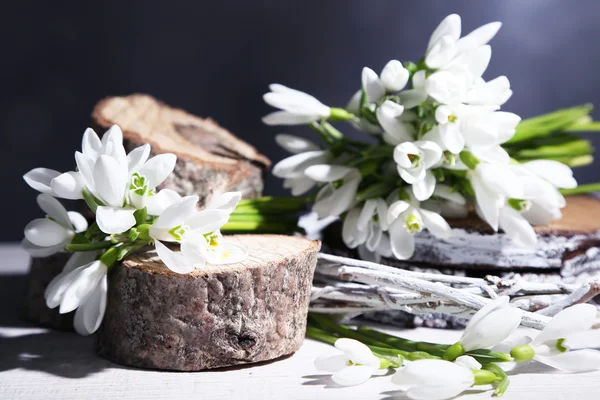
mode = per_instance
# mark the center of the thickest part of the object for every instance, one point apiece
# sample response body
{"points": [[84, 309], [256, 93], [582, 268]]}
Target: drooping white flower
{"points": [[46, 236], [559, 343], [414, 161], [197, 232], [291, 169], [353, 366], [413, 97], [296, 107], [365, 224], [81, 287], [40, 179], [447, 202], [339, 193], [492, 324], [405, 218], [433, 379], [395, 129], [512, 221], [394, 77], [493, 93], [556, 173]]}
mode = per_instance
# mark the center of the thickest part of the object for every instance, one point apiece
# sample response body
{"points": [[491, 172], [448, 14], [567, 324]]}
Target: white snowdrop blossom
{"points": [[433, 379], [405, 218], [366, 224], [414, 161], [394, 77], [338, 195], [447, 202], [292, 169], [492, 324], [395, 129], [47, 236], [197, 232], [82, 288], [296, 107], [353, 365], [557, 345]]}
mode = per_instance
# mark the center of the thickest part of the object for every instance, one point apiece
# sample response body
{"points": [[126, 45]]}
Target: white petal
{"points": [[194, 249], [496, 304], [68, 186], [418, 374], [156, 204], [177, 213], [90, 144], [225, 202], [158, 168], [582, 340], [558, 174], [517, 227], [501, 180], [113, 220], [387, 115], [451, 138], [395, 209], [448, 193], [56, 288], [113, 135], [295, 144], [441, 53], [85, 168], [450, 26], [436, 224], [468, 362], [423, 189], [373, 87], [296, 102], [488, 203], [299, 186], [89, 315], [366, 214], [175, 261], [492, 329], [476, 60], [41, 251], [401, 240], [432, 153], [294, 166], [492, 154], [353, 375], [394, 76], [435, 392], [327, 173], [206, 221], [54, 209], [352, 236], [40, 178], [331, 363], [230, 254], [85, 280], [110, 180], [494, 92], [78, 221], [412, 97], [44, 232], [449, 86], [479, 36], [577, 318], [286, 118], [137, 157], [511, 342], [573, 361]]}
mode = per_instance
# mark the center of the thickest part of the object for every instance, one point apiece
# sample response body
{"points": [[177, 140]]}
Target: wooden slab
{"points": [[217, 316]]}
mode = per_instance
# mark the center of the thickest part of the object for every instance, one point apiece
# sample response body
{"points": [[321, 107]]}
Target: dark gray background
{"points": [[216, 58]]}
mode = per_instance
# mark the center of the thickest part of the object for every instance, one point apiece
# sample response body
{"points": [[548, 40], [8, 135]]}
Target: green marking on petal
{"points": [[178, 232], [560, 346]]}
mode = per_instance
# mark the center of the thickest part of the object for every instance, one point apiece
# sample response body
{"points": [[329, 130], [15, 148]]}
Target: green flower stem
{"points": [[573, 148], [326, 324], [322, 133], [89, 246], [469, 159], [593, 126], [90, 200], [340, 114], [502, 381], [582, 189]]}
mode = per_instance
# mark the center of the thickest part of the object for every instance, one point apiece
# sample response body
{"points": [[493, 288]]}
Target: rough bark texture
{"points": [[218, 316], [41, 272], [210, 159]]}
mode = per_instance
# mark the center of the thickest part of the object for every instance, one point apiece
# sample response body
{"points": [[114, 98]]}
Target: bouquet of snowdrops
{"points": [[436, 145], [129, 214]]}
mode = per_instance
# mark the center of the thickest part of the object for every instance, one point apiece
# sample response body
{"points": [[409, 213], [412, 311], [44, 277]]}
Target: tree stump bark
{"points": [[218, 316], [210, 161]]}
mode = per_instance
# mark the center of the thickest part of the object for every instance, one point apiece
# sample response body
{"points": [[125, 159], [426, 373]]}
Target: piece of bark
{"points": [[41, 272], [210, 159], [217, 316]]}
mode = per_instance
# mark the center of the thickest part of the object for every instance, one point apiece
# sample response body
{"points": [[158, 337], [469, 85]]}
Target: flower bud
{"points": [[522, 353]]}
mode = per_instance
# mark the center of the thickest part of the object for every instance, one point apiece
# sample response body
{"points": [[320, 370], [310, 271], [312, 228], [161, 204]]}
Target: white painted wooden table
{"points": [[37, 363]]}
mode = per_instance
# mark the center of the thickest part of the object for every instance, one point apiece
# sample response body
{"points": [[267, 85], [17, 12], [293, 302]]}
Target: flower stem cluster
{"points": [[436, 145]]}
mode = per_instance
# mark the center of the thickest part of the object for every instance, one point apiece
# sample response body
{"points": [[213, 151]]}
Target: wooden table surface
{"points": [[37, 363]]}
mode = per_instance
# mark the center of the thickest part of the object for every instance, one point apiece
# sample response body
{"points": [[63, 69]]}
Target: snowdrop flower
{"points": [[291, 169], [556, 173], [450, 85], [354, 366], [553, 345], [495, 92], [414, 160], [413, 97], [339, 193], [297, 107], [433, 379], [405, 218], [197, 232], [383, 249], [512, 221], [395, 130], [446, 202], [394, 77], [46, 236], [492, 324], [40, 179], [83, 288], [365, 224]]}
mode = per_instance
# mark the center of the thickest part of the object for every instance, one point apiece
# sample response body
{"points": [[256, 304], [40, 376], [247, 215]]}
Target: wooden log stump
{"points": [[218, 316], [210, 159]]}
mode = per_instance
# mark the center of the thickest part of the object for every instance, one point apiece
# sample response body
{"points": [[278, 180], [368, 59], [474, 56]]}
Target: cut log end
{"points": [[210, 159], [217, 316]]}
